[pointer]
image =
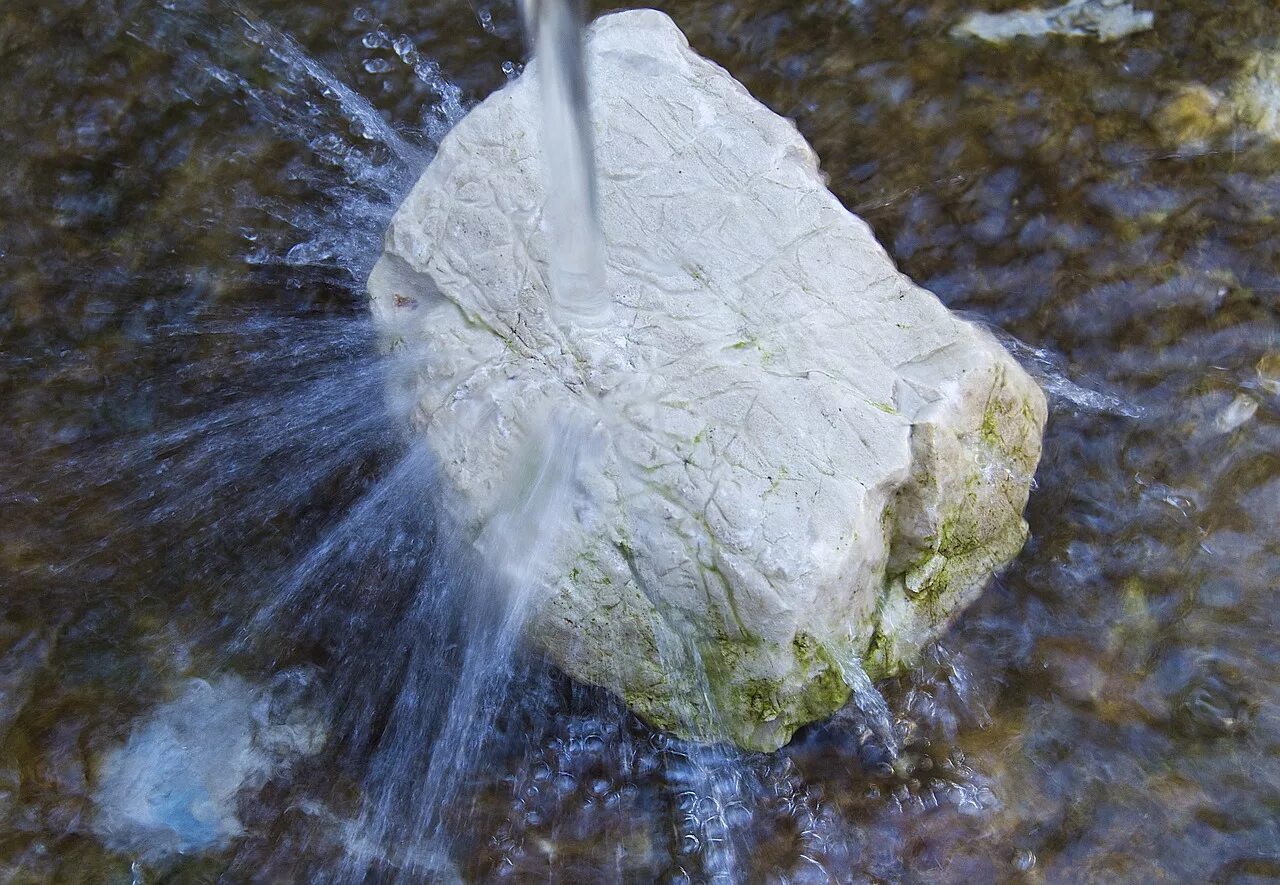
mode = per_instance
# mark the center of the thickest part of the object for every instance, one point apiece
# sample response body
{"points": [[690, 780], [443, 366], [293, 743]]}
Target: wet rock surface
{"points": [[807, 461]]}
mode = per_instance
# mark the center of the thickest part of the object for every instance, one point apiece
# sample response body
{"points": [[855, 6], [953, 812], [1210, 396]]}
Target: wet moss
{"points": [[990, 429], [878, 660], [762, 712]]}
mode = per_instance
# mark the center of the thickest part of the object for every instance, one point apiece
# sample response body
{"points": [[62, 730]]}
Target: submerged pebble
{"points": [[1196, 114], [1236, 415], [173, 785], [1256, 94], [1269, 373], [1102, 19], [1214, 703], [1192, 116]]}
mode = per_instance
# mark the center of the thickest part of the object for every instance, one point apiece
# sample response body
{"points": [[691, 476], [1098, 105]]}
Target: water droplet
{"points": [[406, 50]]}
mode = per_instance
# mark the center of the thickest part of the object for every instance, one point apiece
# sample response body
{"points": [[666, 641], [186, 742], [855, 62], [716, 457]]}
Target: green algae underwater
{"points": [[189, 208]]}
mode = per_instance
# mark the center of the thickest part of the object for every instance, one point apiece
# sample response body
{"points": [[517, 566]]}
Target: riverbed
{"points": [[200, 478]]}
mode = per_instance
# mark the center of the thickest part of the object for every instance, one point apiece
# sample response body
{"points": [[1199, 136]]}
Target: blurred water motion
{"points": [[554, 29]]}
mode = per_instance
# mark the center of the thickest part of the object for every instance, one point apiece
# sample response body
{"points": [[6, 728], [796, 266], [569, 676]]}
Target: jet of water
{"points": [[555, 33]]}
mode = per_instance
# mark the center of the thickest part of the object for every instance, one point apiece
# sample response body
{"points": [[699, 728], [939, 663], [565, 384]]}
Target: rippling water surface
{"points": [[205, 475]]}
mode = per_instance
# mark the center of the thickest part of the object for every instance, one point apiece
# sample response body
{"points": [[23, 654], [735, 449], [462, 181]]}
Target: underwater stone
{"points": [[1193, 116], [1237, 414], [802, 461], [1255, 94], [1196, 114], [172, 786], [1268, 369], [1103, 19]]}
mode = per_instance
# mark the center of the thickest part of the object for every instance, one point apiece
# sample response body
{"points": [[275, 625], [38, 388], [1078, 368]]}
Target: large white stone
{"points": [[802, 459]]}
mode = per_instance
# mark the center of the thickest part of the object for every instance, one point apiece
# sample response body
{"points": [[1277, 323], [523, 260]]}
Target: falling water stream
{"points": [[212, 506], [577, 255]]}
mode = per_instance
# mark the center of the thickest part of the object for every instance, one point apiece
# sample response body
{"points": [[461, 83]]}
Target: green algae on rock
{"points": [[802, 458]]}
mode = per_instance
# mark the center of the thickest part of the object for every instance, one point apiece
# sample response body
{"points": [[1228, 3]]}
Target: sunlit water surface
{"points": [[207, 470]]}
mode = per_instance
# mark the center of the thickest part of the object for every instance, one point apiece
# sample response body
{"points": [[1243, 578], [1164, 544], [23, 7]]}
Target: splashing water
{"points": [[456, 682], [360, 164], [868, 700], [391, 582], [577, 245], [415, 624], [1063, 392]]}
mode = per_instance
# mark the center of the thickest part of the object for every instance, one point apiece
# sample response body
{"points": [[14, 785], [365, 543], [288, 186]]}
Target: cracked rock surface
{"points": [[802, 460]]}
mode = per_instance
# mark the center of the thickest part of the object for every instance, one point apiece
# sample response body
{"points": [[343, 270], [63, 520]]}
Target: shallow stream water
{"points": [[204, 472]]}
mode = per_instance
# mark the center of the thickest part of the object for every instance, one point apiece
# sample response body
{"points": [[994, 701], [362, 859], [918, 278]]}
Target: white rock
{"points": [[790, 433], [1104, 19], [173, 785]]}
